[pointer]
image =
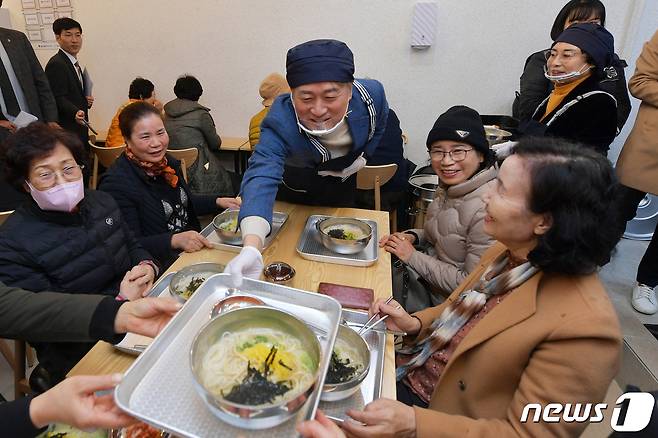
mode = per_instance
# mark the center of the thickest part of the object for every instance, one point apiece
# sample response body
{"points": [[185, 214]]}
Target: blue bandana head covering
{"points": [[319, 61]]}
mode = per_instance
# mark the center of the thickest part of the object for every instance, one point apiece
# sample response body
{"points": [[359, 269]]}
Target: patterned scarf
{"points": [[155, 169], [457, 313]]}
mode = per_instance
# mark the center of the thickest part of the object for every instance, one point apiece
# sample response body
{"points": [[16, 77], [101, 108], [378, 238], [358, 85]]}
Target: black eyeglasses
{"points": [[455, 154]]}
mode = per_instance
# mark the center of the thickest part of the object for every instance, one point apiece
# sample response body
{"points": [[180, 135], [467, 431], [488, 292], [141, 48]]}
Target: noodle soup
{"points": [[349, 365], [346, 363], [257, 366]]}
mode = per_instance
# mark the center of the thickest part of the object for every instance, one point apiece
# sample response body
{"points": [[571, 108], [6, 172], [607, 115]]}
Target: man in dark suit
{"points": [[67, 79], [24, 86]]}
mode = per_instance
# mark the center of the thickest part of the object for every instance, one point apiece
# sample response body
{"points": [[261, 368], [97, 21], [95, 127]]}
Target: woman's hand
{"points": [[382, 418], [74, 402], [398, 319], [321, 427], [142, 276], [146, 316], [399, 244], [189, 241], [130, 290], [228, 202]]}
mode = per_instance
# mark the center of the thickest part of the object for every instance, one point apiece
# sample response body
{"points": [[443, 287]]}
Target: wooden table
{"points": [[234, 145], [104, 359]]}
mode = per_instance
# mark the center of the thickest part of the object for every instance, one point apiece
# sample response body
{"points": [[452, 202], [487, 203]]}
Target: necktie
{"points": [[79, 70], [8, 92]]}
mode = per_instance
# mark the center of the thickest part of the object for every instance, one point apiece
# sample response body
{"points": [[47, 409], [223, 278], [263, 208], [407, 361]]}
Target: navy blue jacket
{"points": [[141, 205], [282, 143]]}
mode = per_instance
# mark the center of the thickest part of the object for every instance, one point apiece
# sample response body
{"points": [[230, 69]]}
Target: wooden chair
{"points": [[4, 215], [105, 156], [16, 360], [187, 158], [372, 178]]}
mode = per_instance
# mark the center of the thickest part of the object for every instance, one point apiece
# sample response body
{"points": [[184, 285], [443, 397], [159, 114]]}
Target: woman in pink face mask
{"points": [[64, 239]]}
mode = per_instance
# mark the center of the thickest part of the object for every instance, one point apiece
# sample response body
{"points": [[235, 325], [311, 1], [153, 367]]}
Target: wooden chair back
{"points": [[4, 215], [372, 178], [16, 360], [187, 158], [104, 156]]}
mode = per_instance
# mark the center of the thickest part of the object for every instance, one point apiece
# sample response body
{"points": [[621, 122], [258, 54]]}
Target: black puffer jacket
{"points": [[585, 115], [140, 198], [535, 88], [84, 252]]}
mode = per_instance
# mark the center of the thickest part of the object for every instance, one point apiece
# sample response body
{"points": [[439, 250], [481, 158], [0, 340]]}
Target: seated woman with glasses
{"points": [[578, 109], [452, 239], [150, 189], [531, 324], [63, 238]]}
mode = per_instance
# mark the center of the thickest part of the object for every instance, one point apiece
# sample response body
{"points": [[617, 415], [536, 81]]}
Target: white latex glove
{"points": [[248, 263], [350, 170], [503, 150]]}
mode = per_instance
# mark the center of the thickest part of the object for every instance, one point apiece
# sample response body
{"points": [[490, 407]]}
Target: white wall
{"points": [[477, 58]]}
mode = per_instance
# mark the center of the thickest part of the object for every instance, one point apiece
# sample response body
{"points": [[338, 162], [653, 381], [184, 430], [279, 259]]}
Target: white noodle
{"points": [[224, 366]]}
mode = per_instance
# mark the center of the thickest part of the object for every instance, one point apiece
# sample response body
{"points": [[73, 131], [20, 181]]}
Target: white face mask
{"points": [[318, 132], [565, 76]]}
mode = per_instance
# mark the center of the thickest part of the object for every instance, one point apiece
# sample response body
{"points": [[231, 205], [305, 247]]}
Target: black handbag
{"points": [[412, 291]]}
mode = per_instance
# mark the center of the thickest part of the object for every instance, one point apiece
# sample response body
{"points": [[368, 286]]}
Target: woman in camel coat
{"points": [[531, 324], [637, 169]]}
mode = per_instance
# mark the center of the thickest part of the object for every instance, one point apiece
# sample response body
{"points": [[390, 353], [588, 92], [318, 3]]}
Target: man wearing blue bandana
{"points": [[312, 143]]}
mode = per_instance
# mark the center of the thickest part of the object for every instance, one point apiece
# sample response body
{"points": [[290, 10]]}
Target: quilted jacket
{"points": [[453, 233]]}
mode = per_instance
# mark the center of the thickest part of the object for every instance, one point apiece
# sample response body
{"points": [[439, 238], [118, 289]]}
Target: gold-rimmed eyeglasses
{"points": [[70, 172]]}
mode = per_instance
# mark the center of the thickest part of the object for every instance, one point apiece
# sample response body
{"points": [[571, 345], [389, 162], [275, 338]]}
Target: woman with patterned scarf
{"points": [[151, 192], [531, 324]]}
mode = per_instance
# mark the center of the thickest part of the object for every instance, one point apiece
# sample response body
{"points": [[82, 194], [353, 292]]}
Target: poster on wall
{"points": [[39, 17]]}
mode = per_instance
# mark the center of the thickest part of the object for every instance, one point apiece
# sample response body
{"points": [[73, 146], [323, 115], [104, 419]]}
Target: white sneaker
{"points": [[644, 299]]}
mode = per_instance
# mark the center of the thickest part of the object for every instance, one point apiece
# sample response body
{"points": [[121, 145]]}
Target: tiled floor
{"points": [[619, 276]]}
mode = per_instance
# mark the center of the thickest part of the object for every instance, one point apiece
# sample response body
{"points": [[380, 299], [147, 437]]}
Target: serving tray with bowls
{"points": [[279, 219], [311, 246], [160, 389]]}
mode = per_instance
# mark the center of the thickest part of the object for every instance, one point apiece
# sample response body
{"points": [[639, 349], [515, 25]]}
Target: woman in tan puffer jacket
{"points": [[453, 238]]}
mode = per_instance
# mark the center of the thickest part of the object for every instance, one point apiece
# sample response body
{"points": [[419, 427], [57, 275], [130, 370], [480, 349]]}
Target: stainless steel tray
{"points": [[158, 388], [310, 247], [135, 344], [279, 219], [371, 387]]}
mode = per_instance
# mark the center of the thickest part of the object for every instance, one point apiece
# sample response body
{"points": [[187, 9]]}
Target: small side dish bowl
{"points": [[227, 227], [341, 390], [186, 281], [279, 273]]}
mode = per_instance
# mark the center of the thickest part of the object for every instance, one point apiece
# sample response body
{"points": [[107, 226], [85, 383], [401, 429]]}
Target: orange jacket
{"points": [[114, 137]]}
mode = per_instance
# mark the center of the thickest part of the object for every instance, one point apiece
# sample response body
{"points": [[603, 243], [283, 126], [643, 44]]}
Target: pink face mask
{"points": [[62, 197]]}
